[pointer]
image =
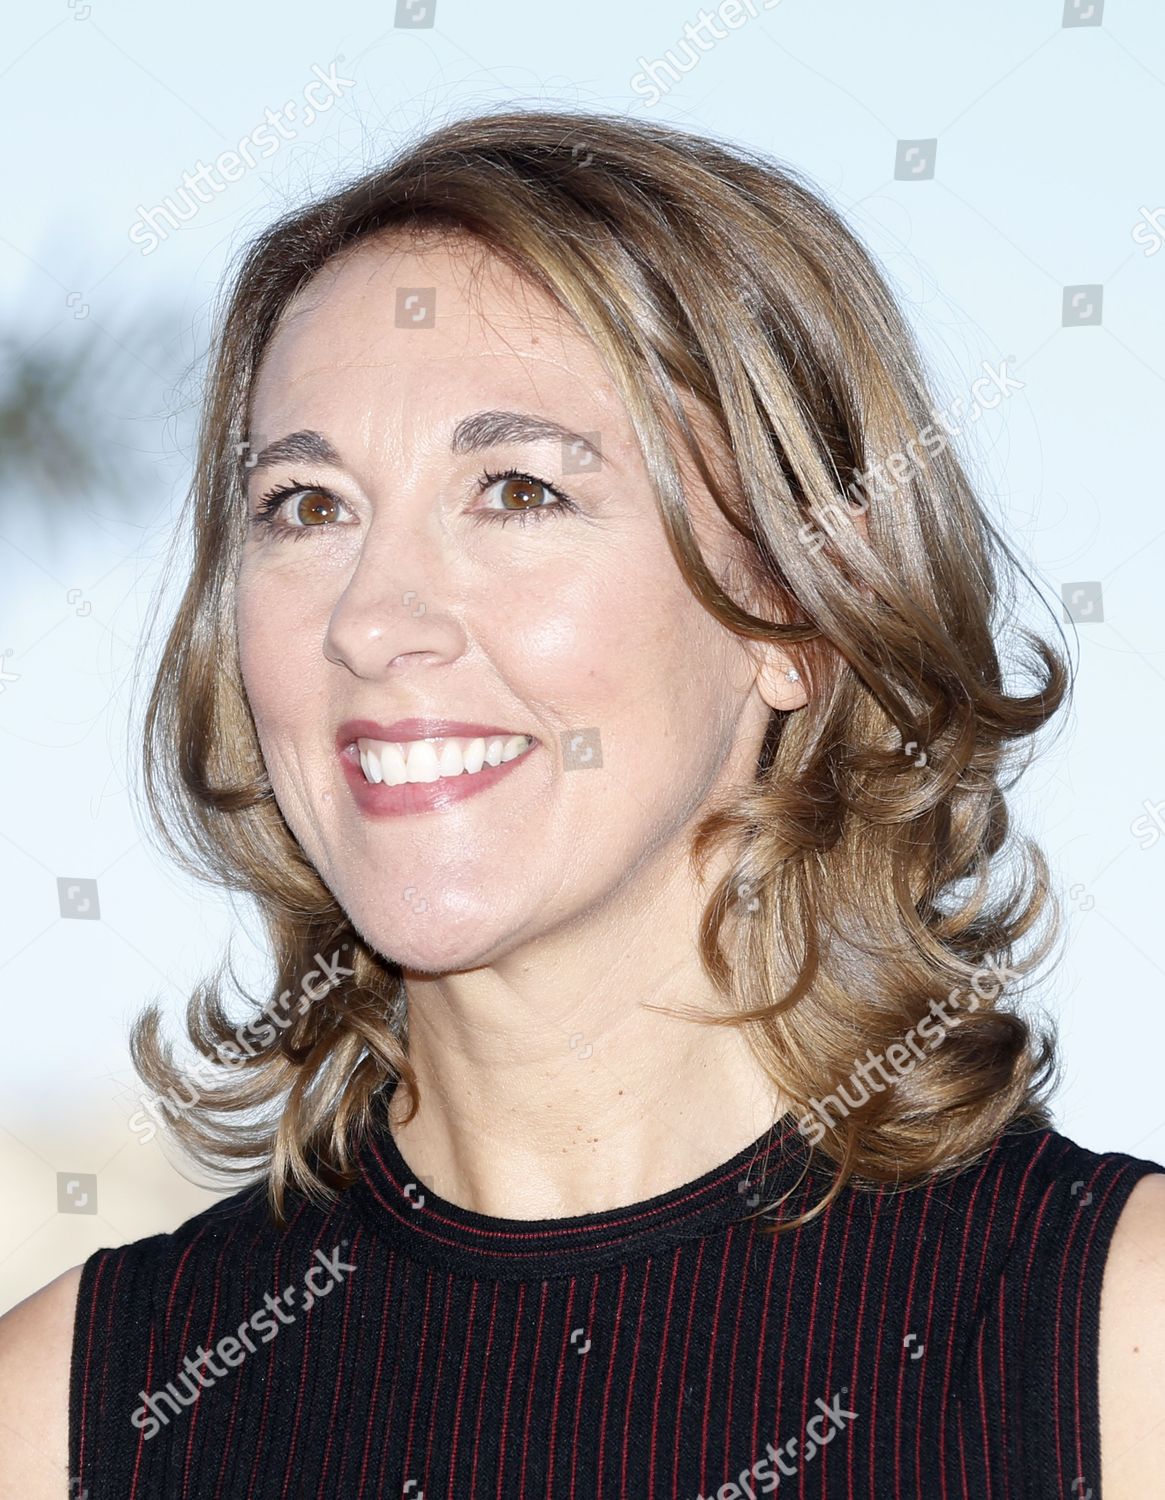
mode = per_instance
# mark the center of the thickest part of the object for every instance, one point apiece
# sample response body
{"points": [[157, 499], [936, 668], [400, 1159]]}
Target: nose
{"points": [[393, 610]]}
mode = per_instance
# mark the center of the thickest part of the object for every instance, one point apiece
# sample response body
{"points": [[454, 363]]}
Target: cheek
{"points": [[562, 643], [681, 658], [273, 647], [576, 643], [630, 652]]}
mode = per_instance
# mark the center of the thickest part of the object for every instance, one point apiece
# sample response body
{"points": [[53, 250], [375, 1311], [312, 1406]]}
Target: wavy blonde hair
{"points": [[876, 819]]}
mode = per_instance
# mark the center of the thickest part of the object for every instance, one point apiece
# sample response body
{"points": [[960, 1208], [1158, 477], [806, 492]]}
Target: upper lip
{"points": [[416, 729]]}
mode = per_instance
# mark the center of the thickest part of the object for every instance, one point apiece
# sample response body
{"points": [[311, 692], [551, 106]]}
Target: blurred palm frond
{"points": [[74, 410]]}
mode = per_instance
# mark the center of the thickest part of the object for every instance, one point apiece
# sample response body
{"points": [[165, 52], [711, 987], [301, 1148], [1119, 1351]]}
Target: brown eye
{"points": [[524, 497], [313, 507], [291, 510], [525, 493]]}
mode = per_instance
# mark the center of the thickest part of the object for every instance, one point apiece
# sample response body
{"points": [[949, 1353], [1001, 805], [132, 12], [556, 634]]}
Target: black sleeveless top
{"points": [[938, 1342]]}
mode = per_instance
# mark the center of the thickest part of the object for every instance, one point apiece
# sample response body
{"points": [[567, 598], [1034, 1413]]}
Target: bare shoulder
{"points": [[36, 1340], [1132, 1347]]}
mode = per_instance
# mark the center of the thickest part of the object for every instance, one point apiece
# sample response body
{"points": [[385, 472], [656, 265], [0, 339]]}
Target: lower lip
{"points": [[381, 801]]}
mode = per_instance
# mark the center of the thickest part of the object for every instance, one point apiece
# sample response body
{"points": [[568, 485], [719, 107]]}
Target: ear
{"points": [[777, 677], [779, 680]]}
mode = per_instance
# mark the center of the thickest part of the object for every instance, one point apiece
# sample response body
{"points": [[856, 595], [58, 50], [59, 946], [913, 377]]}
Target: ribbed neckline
{"points": [[430, 1229]]}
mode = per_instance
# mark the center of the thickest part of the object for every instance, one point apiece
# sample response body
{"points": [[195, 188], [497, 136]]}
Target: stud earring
{"points": [[792, 674]]}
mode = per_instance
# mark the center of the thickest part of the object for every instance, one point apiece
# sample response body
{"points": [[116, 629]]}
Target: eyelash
{"points": [[270, 503]]}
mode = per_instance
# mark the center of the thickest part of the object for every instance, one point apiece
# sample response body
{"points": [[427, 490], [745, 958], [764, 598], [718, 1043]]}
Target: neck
{"points": [[546, 1091]]}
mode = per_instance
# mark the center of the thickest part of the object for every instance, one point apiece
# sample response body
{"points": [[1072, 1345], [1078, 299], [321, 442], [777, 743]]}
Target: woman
{"points": [[641, 1106]]}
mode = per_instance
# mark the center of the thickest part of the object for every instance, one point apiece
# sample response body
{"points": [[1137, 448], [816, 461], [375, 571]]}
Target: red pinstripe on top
{"points": [[1056, 1382], [691, 1323], [197, 1405], [671, 1291], [903, 1358], [481, 1390], [102, 1266], [236, 1395], [137, 1463], [303, 1369], [838, 1284], [737, 1324], [578, 1399], [962, 1266], [713, 1332], [366, 1283], [881, 1326], [405, 1279], [509, 1386], [340, 1363], [618, 1324], [565, 1345], [1004, 1414], [1077, 1360], [926, 1337], [1034, 1241], [267, 1388], [442, 1348], [530, 1388], [631, 1380], [1020, 1200], [109, 1330], [460, 1386], [820, 1229], [851, 1448], [983, 1417], [417, 1388]]}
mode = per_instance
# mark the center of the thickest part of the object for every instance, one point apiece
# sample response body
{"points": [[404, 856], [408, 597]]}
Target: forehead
{"points": [[392, 316]]}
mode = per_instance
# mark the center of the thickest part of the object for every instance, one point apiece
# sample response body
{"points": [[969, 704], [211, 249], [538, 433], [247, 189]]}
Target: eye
{"points": [[527, 492], [323, 508]]}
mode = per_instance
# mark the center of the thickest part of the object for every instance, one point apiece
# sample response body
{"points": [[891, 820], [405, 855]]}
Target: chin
{"points": [[433, 941]]}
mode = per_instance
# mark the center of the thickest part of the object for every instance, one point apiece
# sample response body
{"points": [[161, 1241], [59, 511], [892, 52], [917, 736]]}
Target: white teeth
{"points": [[392, 762], [370, 765], [422, 762], [432, 760], [449, 762]]}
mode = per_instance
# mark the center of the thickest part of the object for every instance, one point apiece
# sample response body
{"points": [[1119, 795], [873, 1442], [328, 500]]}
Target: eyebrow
{"points": [[484, 429]]}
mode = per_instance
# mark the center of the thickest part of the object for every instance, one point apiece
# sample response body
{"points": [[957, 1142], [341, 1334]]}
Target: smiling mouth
{"points": [[396, 762]]}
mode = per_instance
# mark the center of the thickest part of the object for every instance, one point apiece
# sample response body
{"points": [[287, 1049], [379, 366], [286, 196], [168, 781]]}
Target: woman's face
{"points": [[400, 583]]}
